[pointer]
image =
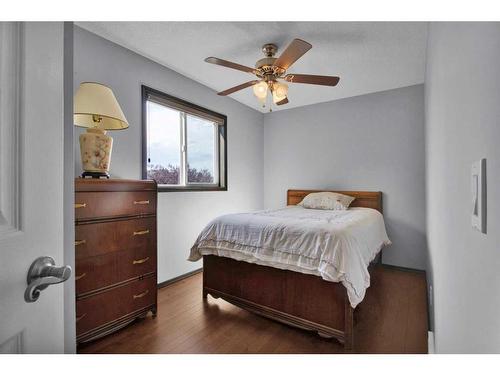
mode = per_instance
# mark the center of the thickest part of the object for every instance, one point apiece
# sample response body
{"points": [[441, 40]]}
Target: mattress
{"points": [[335, 245]]}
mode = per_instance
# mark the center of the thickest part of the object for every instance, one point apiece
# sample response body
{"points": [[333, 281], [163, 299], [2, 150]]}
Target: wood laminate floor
{"points": [[391, 319]]}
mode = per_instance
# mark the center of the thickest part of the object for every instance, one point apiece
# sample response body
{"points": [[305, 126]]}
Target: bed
{"points": [[306, 268]]}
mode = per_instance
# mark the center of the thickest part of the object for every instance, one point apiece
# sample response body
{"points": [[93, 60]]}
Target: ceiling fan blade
{"points": [[237, 88], [292, 53], [312, 79], [229, 64], [281, 102]]}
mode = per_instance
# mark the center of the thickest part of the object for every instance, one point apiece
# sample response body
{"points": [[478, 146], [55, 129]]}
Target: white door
{"points": [[32, 67]]}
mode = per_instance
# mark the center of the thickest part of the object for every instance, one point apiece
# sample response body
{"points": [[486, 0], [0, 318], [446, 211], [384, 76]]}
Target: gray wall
{"points": [[181, 216], [463, 125], [369, 142]]}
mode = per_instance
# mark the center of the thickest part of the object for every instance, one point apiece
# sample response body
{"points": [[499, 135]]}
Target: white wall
{"points": [[181, 216], [369, 142], [463, 125]]}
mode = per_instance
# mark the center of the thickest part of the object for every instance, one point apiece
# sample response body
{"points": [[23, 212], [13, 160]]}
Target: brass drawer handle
{"points": [[140, 295], [141, 202], [141, 232], [80, 276], [140, 261], [80, 242], [80, 205], [78, 318]]}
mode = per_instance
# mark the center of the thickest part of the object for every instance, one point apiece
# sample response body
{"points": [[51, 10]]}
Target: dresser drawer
{"points": [[102, 238], [107, 307], [105, 270], [91, 205]]}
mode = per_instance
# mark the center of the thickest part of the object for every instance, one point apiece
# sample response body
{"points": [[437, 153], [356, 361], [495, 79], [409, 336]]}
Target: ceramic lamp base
{"points": [[95, 149]]}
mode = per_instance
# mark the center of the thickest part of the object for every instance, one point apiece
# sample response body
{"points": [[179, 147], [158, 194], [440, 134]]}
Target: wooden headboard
{"points": [[369, 199]]}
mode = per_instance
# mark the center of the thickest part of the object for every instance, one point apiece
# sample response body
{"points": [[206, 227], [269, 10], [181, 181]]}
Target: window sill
{"points": [[163, 188]]}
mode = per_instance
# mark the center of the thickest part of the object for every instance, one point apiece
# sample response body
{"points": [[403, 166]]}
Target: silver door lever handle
{"points": [[43, 273]]}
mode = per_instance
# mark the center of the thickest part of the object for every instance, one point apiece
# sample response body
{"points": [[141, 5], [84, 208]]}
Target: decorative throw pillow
{"points": [[326, 201]]}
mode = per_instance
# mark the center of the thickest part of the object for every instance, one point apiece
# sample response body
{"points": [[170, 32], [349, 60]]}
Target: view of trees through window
{"points": [[170, 174], [182, 149]]}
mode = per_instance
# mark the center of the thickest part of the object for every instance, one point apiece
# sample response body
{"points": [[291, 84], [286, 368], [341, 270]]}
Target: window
{"points": [[184, 145]]}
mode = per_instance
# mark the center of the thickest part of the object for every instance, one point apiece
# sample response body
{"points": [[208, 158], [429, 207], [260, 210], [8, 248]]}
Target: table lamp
{"points": [[96, 108]]}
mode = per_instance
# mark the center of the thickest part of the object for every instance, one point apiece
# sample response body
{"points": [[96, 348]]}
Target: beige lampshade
{"points": [[95, 106]]}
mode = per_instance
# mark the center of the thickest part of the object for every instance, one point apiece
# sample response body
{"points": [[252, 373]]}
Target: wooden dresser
{"points": [[115, 254]]}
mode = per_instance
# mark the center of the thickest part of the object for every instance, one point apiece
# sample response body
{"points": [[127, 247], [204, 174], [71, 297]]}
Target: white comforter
{"points": [[336, 245]]}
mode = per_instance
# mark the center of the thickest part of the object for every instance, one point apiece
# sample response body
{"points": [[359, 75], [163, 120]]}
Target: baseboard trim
{"points": [[163, 284], [400, 268], [430, 343]]}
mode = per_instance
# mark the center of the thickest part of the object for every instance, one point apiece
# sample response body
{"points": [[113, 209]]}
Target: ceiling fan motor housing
{"points": [[265, 67], [265, 62]]}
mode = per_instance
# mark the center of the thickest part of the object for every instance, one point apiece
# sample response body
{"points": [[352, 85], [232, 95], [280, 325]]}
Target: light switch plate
{"points": [[478, 190]]}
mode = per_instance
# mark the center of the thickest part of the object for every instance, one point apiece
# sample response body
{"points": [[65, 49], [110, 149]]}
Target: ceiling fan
{"points": [[270, 70]]}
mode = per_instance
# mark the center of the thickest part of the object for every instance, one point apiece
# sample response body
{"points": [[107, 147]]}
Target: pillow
{"points": [[327, 201]]}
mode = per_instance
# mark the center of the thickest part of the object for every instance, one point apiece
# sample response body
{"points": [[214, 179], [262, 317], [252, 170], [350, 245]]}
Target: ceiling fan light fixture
{"points": [[280, 91], [260, 90], [270, 69]]}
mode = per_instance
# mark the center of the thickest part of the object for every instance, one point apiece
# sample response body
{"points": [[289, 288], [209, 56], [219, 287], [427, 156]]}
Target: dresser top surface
{"points": [[91, 184]]}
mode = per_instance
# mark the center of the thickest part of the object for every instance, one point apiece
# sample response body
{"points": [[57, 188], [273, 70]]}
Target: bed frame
{"points": [[297, 299]]}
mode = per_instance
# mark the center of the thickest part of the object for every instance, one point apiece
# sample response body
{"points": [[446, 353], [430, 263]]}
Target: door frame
{"points": [[69, 192]]}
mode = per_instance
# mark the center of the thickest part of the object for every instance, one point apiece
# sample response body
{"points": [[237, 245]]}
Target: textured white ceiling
{"points": [[368, 56]]}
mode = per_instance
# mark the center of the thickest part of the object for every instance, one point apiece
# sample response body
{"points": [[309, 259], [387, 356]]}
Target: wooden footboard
{"points": [[304, 301]]}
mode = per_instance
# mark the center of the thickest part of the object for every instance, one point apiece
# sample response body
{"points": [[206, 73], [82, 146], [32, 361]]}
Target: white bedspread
{"points": [[336, 245]]}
